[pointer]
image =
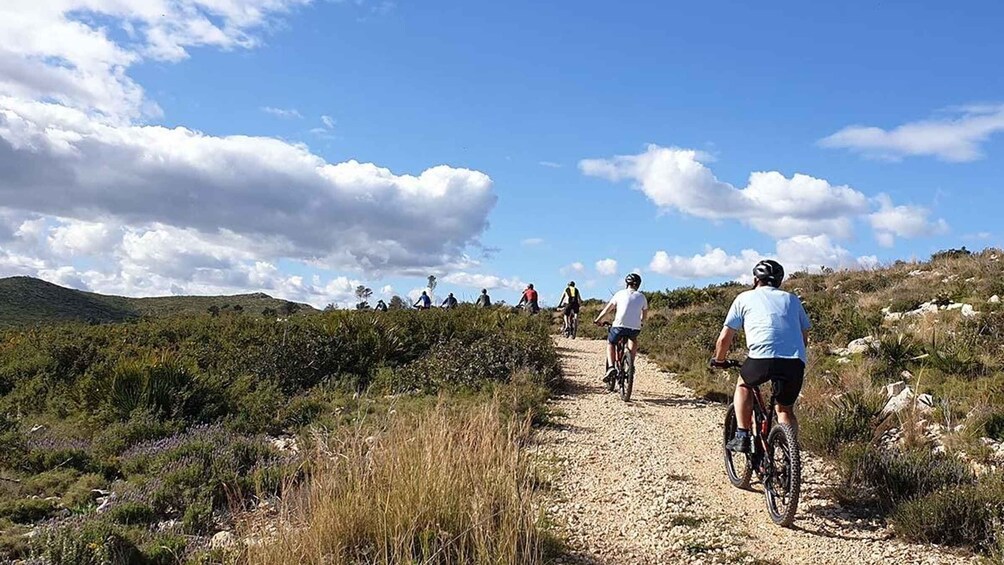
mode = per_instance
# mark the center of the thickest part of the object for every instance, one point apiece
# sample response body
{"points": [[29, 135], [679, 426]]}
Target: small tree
{"points": [[363, 294], [238, 308], [214, 310], [397, 303], [330, 307]]}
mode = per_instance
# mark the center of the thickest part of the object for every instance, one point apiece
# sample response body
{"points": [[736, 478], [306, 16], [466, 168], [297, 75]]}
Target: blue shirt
{"points": [[774, 321]]}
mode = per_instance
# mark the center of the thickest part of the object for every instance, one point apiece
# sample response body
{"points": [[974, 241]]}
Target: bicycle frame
{"points": [[763, 421]]}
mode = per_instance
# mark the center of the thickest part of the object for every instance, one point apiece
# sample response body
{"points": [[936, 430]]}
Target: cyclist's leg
{"points": [[789, 375], [743, 400]]}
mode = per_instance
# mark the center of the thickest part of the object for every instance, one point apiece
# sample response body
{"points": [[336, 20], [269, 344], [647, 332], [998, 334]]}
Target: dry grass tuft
{"points": [[448, 485]]}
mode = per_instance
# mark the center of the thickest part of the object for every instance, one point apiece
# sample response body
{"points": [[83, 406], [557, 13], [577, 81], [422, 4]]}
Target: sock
{"points": [[742, 433]]}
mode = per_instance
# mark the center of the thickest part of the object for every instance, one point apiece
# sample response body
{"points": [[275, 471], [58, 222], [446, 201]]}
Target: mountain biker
{"points": [[423, 302], [381, 306], [632, 309], [484, 301], [777, 334], [530, 299], [450, 302], [572, 300]]}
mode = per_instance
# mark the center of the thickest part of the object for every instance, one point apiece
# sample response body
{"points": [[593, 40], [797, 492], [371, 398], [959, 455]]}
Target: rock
{"points": [[223, 540], [994, 299], [285, 444], [954, 306], [925, 402], [843, 360], [863, 345], [968, 311], [893, 389], [917, 273], [840, 351], [900, 402], [906, 375]]}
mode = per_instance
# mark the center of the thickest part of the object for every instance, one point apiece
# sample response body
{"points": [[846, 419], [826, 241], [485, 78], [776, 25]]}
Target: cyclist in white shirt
{"points": [[632, 308]]}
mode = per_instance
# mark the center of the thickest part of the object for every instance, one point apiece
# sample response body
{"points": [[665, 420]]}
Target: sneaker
{"points": [[739, 444], [611, 378]]}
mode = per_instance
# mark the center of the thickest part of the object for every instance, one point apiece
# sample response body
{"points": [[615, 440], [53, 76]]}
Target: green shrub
{"points": [[130, 513], [26, 511], [86, 543], [847, 419], [971, 515], [993, 427], [889, 478], [81, 494]]}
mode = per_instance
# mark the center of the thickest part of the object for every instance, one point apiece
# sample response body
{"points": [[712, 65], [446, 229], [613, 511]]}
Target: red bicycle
{"points": [[775, 459]]}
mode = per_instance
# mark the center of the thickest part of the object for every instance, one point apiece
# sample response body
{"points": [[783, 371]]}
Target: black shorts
{"points": [[789, 373], [571, 307]]}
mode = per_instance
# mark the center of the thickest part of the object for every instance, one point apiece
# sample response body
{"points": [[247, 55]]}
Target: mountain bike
{"points": [[623, 380], [775, 460], [569, 330]]}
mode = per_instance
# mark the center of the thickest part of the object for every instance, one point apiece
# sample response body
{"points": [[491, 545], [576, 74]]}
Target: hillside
{"points": [[27, 301]]}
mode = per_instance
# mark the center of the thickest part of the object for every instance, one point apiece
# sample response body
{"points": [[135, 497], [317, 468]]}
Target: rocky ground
{"points": [[643, 482]]}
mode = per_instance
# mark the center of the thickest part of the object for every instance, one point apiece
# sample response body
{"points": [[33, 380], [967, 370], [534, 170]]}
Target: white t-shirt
{"points": [[630, 304]]}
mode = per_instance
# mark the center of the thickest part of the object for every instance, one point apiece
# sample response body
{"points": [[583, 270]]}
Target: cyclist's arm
{"points": [[724, 343], [805, 337], [561, 302], [610, 305]]}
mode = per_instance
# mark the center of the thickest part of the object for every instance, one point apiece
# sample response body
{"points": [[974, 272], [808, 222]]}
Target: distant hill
{"points": [[27, 300]]}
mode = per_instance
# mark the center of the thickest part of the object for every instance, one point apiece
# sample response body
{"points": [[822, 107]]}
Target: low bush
{"points": [[971, 515], [889, 478], [848, 418]]}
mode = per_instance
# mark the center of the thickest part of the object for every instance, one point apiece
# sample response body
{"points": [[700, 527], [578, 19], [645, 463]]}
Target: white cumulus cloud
{"points": [[606, 267], [956, 136], [891, 221], [783, 207]]}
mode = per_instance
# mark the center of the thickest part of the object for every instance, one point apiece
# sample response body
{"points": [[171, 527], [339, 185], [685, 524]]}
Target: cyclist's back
{"points": [[773, 321]]}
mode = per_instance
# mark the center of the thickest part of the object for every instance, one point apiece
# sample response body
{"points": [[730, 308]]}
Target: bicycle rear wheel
{"points": [[737, 465], [783, 483], [626, 375]]}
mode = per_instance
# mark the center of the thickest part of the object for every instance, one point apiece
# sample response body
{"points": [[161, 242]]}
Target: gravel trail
{"points": [[643, 482]]}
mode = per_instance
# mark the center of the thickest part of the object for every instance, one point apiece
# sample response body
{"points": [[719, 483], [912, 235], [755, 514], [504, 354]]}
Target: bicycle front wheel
{"points": [[626, 376], [783, 482], [737, 465]]}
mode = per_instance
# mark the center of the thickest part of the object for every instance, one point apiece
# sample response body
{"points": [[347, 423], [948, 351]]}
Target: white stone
{"points": [[900, 402], [968, 311], [893, 389], [863, 345], [925, 402], [843, 360], [954, 306], [223, 540], [994, 299], [906, 375]]}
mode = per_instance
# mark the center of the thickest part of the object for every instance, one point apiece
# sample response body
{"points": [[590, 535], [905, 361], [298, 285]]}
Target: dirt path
{"points": [[642, 482]]}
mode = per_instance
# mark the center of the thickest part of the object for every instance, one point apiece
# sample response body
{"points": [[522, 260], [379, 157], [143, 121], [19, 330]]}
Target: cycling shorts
{"points": [[789, 374], [571, 307], [619, 332]]}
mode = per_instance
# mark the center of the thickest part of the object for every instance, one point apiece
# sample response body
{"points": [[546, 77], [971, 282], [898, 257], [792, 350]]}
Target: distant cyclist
{"points": [[381, 306], [530, 299], [450, 302], [632, 308], [484, 301], [777, 334], [423, 302], [571, 299]]}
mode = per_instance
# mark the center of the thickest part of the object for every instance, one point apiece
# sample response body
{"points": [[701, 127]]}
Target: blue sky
{"points": [[895, 110]]}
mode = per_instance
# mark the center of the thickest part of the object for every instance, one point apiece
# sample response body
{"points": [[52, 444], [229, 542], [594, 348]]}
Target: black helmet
{"points": [[484, 291], [633, 279], [769, 271], [530, 286], [571, 283]]}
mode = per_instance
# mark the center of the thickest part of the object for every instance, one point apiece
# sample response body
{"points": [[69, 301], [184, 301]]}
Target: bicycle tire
{"points": [[782, 508], [739, 474], [626, 376]]}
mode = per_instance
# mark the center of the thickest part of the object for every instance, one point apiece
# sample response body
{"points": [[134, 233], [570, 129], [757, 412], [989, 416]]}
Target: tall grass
{"points": [[448, 485]]}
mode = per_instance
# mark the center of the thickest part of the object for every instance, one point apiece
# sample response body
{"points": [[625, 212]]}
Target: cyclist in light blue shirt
{"points": [[776, 329]]}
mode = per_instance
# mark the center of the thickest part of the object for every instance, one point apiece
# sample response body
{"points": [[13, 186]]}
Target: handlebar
{"points": [[727, 364]]}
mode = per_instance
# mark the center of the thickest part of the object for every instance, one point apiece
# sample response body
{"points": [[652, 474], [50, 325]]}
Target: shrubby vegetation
{"points": [[166, 424]]}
